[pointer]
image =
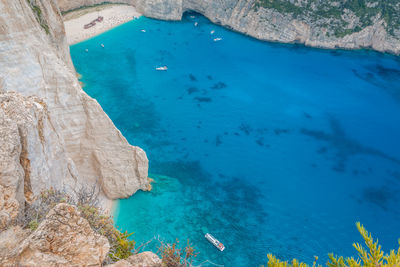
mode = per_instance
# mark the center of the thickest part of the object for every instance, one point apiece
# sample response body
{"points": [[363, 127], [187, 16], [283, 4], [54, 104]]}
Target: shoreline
{"points": [[118, 14], [113, 16], [114, 208], [109, 206]]}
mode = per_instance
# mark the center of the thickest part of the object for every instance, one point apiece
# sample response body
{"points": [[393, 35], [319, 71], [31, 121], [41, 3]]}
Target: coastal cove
{"points": [[271, 148]]}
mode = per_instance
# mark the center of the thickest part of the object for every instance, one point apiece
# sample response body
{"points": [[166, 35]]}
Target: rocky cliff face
{"points": [[62, 239], [54, 135], [63, 137], [271, 25], [32, 155], [66, 5], [266, 23]]}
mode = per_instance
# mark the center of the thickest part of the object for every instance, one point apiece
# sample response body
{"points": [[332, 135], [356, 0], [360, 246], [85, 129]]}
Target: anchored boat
{"points": [[215, 242], [162, 68]]}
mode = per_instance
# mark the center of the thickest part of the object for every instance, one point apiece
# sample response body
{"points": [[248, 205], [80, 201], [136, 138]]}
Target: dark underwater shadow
{"points": [[345, 147], [382, 77], [228, 207]]}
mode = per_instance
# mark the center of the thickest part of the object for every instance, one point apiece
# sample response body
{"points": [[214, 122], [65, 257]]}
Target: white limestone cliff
{"points": [[264, 24], [79, 144], [32, 155], [53, 135]]}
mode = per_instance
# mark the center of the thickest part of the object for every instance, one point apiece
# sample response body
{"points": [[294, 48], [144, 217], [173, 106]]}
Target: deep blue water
{"points": [[271, 148]]}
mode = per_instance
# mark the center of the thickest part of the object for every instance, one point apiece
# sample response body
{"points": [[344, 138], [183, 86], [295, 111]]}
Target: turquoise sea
{"points": [[271, 148]]}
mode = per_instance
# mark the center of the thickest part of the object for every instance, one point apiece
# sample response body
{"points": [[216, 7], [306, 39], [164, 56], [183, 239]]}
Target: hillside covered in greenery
{"points": [[341, 17]]}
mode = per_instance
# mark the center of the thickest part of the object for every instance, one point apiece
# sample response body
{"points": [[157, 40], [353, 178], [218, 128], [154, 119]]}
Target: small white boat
{"points": [[215, 242], [162, 68], [217, 39], [143, 30], [212, 32], [195, 24], [102, 45], [192, 17], [86, 50]]}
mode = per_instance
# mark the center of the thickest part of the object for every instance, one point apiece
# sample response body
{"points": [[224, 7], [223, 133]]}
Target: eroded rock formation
{"points": [[62, 239], [32, 156], [53, 135], [73, 132]]}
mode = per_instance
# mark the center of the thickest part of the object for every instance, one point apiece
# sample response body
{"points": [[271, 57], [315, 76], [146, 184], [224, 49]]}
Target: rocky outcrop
{"points": [[62, 239], [32, 156], [270, 25], [9, 205], [161, 9], [261, 23], [10, 239], [66, 5], [53, 135], [144, 259], [75, 141]]}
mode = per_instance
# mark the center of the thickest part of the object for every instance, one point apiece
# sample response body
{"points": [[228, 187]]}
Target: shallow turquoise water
{"points": [[271, 148]]}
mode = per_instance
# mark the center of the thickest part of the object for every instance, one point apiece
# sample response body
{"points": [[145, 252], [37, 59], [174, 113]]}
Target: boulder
{"points": [[62, 239], [144, 259]]}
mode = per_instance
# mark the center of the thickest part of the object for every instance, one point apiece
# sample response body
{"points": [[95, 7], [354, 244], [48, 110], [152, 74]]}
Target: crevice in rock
{"points": [[40, 129], [40, 122], [26, 166]]}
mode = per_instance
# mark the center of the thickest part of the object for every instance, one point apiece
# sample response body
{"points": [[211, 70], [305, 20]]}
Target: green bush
{"points": [[121, 247], [86, 199], [38, 14], [318, 12], [374, 257], [33, 225], [172, 255]]}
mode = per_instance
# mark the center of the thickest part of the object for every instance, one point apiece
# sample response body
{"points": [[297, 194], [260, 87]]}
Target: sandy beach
{"points": [[113, 15]]}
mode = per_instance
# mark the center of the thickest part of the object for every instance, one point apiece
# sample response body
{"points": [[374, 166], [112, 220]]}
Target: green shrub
{"points": [[86, 199], [318, 12], [172, 255], [374, 257], [33, 225], [38, 14], [41, 205], [121, 247]]}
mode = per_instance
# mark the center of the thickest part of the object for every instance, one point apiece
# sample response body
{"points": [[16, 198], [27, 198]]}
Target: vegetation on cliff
{"points": [[121, 244], [341, 17], [174, 255], [38, 15], [375, 257], [121, 247]]}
